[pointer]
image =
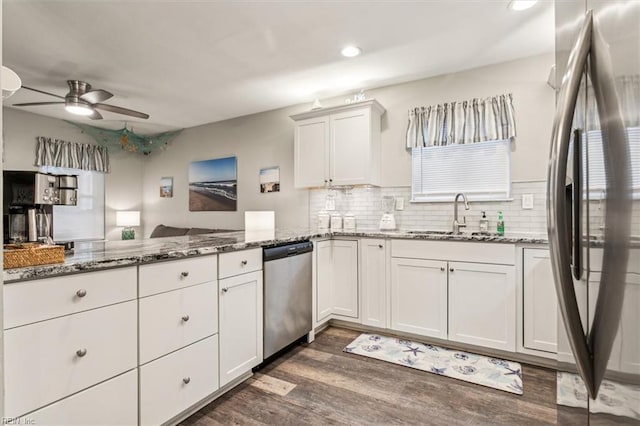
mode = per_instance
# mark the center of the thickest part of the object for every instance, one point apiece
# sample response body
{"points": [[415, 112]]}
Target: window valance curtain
{"points": [[59, 153], [471, 121]]}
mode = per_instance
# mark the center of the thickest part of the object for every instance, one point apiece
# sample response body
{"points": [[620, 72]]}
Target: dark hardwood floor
{"points": [[319, 384]]}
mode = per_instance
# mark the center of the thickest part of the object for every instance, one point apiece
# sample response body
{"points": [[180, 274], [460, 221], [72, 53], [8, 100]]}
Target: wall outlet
{"points": [[527, 201], [399, 203]]}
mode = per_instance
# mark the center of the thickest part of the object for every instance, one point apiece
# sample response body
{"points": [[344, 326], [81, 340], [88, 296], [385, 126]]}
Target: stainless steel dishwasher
{"points": [[287, 294]]}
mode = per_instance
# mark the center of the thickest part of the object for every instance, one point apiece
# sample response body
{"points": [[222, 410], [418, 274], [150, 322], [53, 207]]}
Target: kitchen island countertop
{"points": [[90, 256]]}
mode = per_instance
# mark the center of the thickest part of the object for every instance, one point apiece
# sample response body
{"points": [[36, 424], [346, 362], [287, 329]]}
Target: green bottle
{"points": [[500, 226]]}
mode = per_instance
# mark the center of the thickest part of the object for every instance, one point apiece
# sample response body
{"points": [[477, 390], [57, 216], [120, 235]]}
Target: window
{"points": [[482, 171], [85, 221]]}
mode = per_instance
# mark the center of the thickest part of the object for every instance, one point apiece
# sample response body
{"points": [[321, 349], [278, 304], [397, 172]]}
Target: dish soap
{"points": [[500, 225], [484, 224]]}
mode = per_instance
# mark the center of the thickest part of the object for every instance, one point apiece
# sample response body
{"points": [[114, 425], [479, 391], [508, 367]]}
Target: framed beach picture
{"points": [[213, 185], [270, 179], [166, 187]]}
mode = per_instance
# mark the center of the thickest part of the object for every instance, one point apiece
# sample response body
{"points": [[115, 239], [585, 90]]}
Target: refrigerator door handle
{"points": [[577, 204], [606, 319], [557, 206]]}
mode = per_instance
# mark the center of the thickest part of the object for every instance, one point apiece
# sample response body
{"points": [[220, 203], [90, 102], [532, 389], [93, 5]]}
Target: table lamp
{"points": [[128, 219]]}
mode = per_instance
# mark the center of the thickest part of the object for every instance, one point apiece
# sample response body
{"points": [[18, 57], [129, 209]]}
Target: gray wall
{"points": [[123, 186], [266, 139]]}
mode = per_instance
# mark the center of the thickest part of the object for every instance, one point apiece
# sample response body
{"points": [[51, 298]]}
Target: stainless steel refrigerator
{"points": [[594, 210]]}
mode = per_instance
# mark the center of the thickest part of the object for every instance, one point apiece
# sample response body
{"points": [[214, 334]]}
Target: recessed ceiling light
{"points": [[521, 4], [351, 51]]}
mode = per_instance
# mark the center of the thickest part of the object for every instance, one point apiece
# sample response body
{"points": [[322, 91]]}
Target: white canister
{"points": [[323, 220], [349, 222], [336, 222]]}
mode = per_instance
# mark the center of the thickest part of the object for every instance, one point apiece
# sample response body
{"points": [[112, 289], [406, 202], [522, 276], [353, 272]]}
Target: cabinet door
{"points": [[539, 302], [482, 305], [240, 306], [324, 280], [345, 278], [350, 161], [419, 296], [311, 151], [373, 273]]}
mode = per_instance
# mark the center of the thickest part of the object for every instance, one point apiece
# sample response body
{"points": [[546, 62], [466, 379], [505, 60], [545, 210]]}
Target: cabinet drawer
{"points": [[38, 300], [240, 262], [173, 383], [171, 320], [114, 402], [172, 275], [455, 251], [44, 361]]}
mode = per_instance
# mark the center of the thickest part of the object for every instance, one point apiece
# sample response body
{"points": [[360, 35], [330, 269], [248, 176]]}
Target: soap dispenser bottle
{"points": [[484, 224], [500, 225]]}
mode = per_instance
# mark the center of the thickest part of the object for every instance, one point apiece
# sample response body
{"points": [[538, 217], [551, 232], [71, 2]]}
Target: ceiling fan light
{"points": [[79, 109]]}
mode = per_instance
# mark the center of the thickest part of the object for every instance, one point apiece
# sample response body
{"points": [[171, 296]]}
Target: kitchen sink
{"points": [[430, 232]]}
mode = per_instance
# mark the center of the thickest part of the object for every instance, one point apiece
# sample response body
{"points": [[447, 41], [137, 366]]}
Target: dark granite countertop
{"points": [[110, 254]]}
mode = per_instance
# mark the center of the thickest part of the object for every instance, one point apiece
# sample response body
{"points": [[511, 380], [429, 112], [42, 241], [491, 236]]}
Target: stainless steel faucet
{"points": [[457, 225]]}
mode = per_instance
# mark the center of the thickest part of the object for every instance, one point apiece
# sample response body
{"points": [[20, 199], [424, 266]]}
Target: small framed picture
{"points": [[270, 179], [166, 187]]}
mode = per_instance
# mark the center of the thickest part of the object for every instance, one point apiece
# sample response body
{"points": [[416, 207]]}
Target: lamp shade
{"points": [[128, 218]]}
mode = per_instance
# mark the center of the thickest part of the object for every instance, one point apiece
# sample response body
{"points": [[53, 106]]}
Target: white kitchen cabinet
{"points": [[419, 296], [324, 280], [482, 305], [114, 402], [539, 304], [240, 324], [175, 382], [339, 145], [373, 273], [345, 278]]}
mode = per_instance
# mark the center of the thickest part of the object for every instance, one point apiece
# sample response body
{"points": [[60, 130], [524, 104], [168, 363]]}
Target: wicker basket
{"points": [[31, 254]]}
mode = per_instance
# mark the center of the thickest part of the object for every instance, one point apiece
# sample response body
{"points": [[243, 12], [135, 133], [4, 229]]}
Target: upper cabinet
{"points": [[338, 146]]}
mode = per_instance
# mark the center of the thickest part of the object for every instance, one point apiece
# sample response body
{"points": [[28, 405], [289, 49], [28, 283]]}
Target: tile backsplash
{"points": [[366, 205]]}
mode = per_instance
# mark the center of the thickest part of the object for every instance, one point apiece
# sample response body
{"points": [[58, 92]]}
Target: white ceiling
{"points": [[192, 62]]}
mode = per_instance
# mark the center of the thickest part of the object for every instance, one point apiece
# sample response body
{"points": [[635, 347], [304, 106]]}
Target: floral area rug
{"points": [[492, 372]]}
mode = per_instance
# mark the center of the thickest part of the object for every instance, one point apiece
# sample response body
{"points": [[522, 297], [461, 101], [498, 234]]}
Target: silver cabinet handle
{"points": [[559, 243], [184, 274], [225, 289], [186, 380], [81, 293], [243, 263], [185, 318], [81, 352]]}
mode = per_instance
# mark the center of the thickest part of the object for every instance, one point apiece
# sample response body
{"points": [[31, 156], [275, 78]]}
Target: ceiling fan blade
{"points": [[95, 96], [42, 91], [120, 110], [39, 103], [95, 116]]}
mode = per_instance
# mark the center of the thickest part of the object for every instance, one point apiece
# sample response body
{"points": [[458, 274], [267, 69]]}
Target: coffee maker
{"points": [[28, 201]]}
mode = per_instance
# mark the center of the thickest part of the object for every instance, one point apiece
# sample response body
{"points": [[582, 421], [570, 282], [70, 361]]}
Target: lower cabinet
{"points": [[324, 280], [419, 296], [240, 323], [114, 402], [173, 383], [337, 280], [539, 304], [482, 305], [373, 276]]}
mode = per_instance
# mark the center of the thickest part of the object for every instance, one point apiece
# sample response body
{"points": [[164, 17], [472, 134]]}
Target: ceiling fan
{"points": [[81, 100]]}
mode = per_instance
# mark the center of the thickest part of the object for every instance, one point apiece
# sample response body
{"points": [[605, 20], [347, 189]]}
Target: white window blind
{"points": [[597, 180], [84, 221], [481, 171]]}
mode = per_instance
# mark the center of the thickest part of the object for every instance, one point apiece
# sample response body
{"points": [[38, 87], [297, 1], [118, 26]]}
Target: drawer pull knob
{"points": [[379, 245], [450, 269], [81, 352], [243, 263], [81, 293], [185, 318], [225, 289], [442, 268], [184, 274], [186, 380]]}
